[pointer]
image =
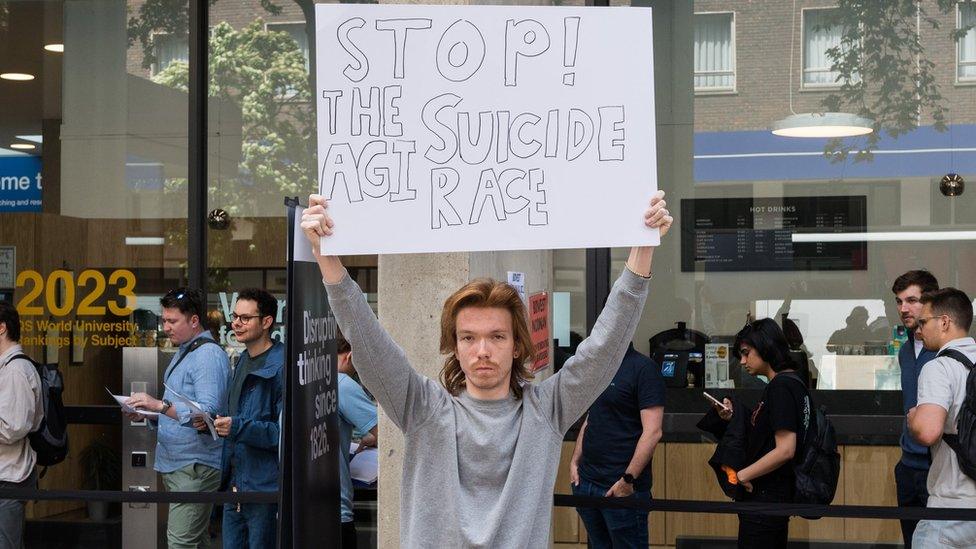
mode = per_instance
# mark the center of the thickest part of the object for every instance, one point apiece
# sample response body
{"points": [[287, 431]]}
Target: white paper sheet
{"points": [[129, 409], [364, 466], [195, 410]]}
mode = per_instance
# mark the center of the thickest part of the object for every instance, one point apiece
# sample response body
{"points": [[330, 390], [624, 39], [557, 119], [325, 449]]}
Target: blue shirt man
{"points": [[912, 470], [188, 460], [614, 448], [356, 412], [201, 377]]}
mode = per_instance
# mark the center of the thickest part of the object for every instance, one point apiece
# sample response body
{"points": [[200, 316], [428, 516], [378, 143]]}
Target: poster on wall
{"points": [[8, 266], [20, 184], [466, 128], [539, 329], [311, 453]]}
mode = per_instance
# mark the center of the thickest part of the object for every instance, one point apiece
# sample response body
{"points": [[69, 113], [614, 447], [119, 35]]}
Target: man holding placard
{"points": [[485, 440]]}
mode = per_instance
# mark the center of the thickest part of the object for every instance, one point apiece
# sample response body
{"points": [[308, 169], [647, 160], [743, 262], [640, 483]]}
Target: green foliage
{"points": [[167, 16], [102, 466], [884, 72], [263, 72]]}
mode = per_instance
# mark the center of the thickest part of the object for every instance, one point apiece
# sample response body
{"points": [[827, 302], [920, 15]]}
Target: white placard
{"points": [[517, 281], [466, 128]]}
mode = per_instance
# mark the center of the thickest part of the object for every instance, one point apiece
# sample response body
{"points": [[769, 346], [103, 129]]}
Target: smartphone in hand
{"points": [[716, 401]]}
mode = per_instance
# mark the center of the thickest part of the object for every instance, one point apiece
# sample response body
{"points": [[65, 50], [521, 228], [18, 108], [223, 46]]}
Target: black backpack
{"points": [[817, 461], [964, 443], [50, 440]]}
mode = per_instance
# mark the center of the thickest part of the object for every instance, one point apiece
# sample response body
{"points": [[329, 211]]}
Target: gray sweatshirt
{"points": [[481, 473]]}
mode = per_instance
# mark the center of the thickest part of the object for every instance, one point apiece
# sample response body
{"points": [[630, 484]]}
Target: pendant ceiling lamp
{"points": [[823, 124], [817, 124]]}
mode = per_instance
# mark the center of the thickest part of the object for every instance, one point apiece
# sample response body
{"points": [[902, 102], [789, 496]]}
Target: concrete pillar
{"points": [[412, 290]]}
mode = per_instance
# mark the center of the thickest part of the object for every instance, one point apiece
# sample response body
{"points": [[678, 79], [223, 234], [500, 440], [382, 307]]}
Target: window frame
{"points": [[289, 95], [964, 80], [155, 68], [720, 90], [804, 85]]}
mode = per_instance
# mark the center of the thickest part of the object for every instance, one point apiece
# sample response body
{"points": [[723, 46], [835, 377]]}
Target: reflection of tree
{"points": [[264, 73], [884, 73], [167, 16]]}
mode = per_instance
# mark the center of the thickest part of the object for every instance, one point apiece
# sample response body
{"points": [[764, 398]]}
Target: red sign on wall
{"points": [[539, 328]]}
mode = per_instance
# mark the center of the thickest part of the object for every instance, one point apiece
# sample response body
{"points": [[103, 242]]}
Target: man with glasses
{"points": [[943, 326], [250, 429], [913, 468], [189, 461]]}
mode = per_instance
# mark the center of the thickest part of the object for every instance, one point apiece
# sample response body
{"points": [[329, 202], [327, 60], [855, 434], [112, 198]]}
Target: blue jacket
{"points": [[250, 456], [913, 454]]}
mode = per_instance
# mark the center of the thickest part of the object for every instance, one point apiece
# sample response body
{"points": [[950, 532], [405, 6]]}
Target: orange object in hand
{"points": [[733, 478]]}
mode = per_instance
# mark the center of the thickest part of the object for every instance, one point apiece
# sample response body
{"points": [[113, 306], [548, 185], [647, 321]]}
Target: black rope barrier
{"points": [[763, 508], [27, 494]]}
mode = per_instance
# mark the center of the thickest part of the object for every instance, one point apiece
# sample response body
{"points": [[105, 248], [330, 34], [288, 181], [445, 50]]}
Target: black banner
{"points": [[756, 234], [310, 463]]}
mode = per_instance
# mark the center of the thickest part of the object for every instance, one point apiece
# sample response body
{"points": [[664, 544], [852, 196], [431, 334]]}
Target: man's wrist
{"points": [[164, 406], [628, 478]]}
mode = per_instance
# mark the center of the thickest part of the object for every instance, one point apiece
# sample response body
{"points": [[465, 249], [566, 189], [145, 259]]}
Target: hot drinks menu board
{"points": [[756, 234]]}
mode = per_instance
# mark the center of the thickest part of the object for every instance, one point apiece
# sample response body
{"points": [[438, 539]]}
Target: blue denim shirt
{"points": [[201, 377], [913, 454], [250, 458]]}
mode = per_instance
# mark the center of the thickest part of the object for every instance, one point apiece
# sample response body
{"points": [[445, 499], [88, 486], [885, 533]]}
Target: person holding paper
{"points": [[188, 461], [356, 411], [483, 446], [250, 430]]}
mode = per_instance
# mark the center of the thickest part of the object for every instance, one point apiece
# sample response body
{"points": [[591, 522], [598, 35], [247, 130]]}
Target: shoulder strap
{"points": [[196, 344], [958, 356], [953, 439], [23, 356], [794, 376]]}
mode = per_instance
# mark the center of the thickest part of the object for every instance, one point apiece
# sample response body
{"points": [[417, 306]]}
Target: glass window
{"points": [[818, 37], [966, 61], [298, 34], [170, 48], [714, 52]]}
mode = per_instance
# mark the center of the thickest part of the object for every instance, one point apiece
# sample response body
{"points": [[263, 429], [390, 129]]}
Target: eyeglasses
{"points": [[922, 320], [243, 319]]}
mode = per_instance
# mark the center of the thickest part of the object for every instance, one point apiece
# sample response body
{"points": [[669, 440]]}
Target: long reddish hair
{"points": [[485, 293]]}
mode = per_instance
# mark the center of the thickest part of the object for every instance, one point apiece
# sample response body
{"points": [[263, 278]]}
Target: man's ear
{"points": [[267, 322]]}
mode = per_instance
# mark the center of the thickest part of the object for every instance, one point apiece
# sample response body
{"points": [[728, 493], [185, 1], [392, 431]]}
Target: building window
{"points": [[169, 48], [818, 37], [714, 52], [966, 60], [298, 34]]}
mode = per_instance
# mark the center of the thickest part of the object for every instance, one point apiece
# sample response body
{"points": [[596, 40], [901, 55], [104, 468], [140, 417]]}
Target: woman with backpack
{"points": [[773, 432]]}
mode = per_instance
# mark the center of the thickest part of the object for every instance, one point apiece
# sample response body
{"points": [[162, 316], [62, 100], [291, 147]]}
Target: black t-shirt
{"points": [[614, 424], [785, 406]]}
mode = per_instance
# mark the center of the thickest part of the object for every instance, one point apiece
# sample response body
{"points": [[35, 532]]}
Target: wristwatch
{"points": [[166, 406], [628, 478]]}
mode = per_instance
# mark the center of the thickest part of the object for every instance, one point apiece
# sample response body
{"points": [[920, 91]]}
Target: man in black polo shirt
{"points": [[613, 452]]}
